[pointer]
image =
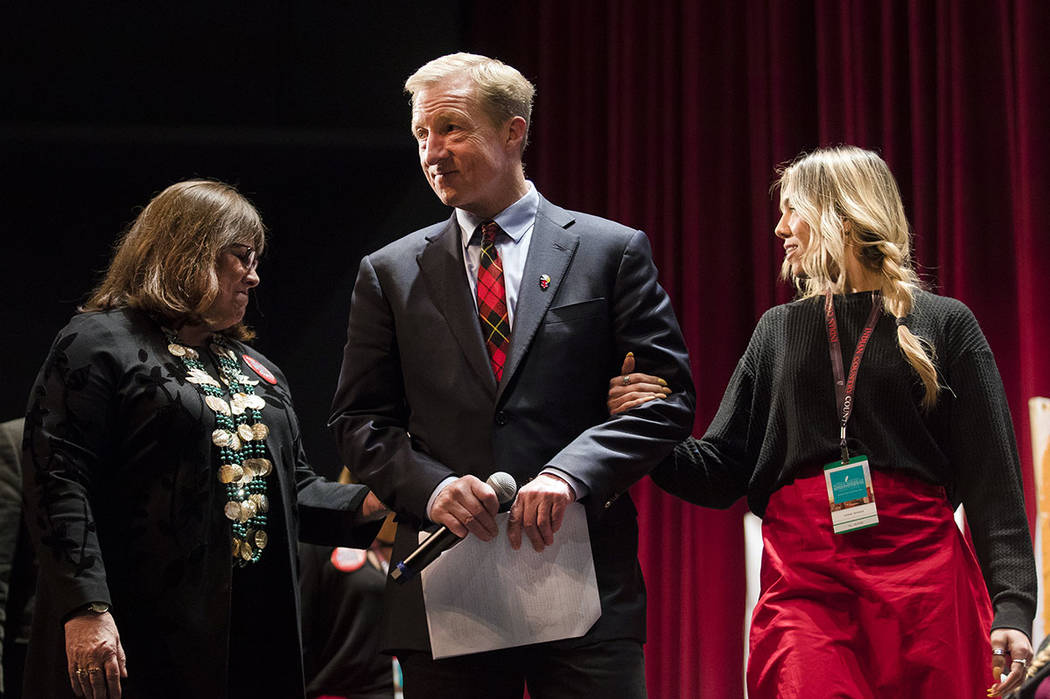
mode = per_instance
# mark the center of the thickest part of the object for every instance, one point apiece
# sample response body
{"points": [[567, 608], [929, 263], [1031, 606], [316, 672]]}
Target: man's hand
{"points": [[629, 389], [94, 656], [467, 505], [540, 509]]}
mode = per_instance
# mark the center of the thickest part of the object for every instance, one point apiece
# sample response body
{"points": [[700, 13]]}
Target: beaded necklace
{"points": [[240, 442]]}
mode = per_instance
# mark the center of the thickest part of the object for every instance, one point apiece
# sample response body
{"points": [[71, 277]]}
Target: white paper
{"points": [[483, 596]]}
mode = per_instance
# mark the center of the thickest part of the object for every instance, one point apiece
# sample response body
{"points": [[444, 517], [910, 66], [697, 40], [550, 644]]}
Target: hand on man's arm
{"points": [[629, 389], [373, 509]]}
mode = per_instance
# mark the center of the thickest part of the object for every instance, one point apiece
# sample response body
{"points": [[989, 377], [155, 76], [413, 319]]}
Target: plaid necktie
{"points": [[492, 299]]}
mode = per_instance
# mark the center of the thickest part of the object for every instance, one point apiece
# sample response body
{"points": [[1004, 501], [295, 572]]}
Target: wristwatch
{"points": [[94, 608]]}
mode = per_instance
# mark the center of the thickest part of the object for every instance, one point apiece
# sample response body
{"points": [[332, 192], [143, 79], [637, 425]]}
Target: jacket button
{"points": [[501, 418]]}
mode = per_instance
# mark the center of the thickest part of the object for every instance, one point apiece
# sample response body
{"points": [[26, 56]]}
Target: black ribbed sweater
{"points": [[779, 417]]}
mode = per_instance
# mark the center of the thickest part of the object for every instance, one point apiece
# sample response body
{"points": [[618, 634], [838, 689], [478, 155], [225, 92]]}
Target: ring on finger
{"points": [[626, 380], [998, 651], [1019, 660], [91, 670]]}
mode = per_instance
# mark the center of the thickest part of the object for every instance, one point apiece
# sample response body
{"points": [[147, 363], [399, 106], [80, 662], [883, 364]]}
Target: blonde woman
{"points": [[860, 416]]}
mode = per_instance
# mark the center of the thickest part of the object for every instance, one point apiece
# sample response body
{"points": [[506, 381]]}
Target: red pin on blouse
{"points": [[256, 366]]}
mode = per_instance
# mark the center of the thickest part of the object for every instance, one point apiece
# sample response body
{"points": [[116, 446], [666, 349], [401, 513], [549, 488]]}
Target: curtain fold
{"points": [[671, 116]]}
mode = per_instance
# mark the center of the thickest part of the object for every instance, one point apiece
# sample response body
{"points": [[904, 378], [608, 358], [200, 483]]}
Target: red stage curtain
{"points": [[671, 115]]}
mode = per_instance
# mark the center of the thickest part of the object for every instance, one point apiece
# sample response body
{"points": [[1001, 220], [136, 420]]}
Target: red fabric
{"points": [[492, 299], [896, 610], [671, 115]]}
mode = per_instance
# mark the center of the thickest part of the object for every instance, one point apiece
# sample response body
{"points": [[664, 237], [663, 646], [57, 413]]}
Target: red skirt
{"points": [[896, 610]]}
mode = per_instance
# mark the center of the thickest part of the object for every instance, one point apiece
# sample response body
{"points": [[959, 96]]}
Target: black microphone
{"points": [[443, 539]]}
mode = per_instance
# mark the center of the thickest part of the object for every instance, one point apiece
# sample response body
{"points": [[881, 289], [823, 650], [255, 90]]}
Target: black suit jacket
{"points": [[417, 400]]}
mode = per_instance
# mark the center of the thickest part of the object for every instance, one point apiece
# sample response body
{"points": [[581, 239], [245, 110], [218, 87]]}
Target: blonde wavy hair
{"points": [[1041, 659], [166, 263], [502, 91], [852, 205]]}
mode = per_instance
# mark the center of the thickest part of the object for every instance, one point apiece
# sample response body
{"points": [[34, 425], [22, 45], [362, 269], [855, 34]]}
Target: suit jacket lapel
{"points": [[550, 252], [442, 265]]}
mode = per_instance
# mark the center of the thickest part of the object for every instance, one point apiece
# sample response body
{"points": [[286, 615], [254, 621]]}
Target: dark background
{"points": [[298, 104]]}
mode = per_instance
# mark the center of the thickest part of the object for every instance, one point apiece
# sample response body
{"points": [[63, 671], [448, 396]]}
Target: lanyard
{"points": [[844, 388]]}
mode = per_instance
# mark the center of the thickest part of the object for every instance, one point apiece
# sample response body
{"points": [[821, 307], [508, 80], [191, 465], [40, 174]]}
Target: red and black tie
{"points": [[492, 299]]}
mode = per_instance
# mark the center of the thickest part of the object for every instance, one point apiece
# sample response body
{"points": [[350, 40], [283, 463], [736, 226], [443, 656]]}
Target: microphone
{"points": [[443, 539]]}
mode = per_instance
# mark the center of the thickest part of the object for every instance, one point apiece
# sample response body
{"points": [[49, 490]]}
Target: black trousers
{"points": [[560, 670]]}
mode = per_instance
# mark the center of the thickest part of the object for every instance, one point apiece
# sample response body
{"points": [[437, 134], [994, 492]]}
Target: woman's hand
{"points": [[372, 508], [630, 389], [1016, 651], [94, 656]]}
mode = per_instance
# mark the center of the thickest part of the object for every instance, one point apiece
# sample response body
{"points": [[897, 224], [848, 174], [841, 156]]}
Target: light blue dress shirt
{"points": [[517, 221]]}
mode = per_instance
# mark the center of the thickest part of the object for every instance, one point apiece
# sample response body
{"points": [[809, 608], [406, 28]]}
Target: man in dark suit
{"points": [[484, 343]]}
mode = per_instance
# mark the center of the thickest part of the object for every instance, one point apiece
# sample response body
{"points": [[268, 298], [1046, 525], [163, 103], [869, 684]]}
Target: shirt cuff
{"points": [[577, 485], [437, 491]]}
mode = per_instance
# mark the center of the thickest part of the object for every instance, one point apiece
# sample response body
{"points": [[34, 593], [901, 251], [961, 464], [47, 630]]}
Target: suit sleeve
{"points": [[611, 456], [714, 471], [370, 412]]}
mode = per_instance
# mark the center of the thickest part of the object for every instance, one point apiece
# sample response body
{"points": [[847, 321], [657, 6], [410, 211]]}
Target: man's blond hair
{"points": [[502, 91]]}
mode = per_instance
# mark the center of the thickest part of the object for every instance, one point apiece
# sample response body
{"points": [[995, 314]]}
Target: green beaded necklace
{"points": [[239, 439]]}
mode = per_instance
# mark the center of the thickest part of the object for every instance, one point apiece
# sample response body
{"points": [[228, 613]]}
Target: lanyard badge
{"points": [[850, 493]]}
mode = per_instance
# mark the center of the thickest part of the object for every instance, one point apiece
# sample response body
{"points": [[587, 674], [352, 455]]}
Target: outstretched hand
{"points": [[631, 389]]}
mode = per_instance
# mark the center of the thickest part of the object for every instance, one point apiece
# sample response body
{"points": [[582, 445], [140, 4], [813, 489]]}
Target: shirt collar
{"points": [[515, 220]]}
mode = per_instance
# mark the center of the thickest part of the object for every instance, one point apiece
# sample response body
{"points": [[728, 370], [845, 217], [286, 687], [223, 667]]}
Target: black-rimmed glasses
{"points": [[246, 255]]}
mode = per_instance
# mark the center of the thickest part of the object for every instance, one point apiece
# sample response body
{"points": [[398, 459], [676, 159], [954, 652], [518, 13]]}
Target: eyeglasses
{"points": [[247, 255]]}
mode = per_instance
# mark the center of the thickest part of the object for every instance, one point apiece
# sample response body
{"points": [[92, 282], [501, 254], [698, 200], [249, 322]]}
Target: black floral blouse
{"points": [[124, 504]]}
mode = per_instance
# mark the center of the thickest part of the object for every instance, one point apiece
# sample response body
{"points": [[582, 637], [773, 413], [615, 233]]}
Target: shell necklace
{"points": [[240, 442]]}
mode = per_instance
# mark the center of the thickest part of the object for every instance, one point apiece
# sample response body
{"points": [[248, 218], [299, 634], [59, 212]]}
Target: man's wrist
{"points": [[433, 496], [560, 477]]}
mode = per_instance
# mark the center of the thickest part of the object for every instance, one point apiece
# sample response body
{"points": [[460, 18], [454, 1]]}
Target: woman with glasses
{"points": [[165, 481], [860, 416]]}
